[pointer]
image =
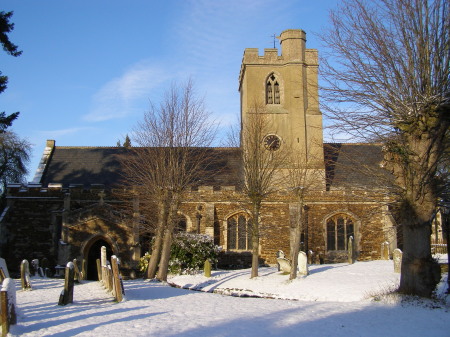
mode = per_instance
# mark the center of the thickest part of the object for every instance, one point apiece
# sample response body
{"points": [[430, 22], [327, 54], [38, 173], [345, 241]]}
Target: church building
{"points": [[70, 209]]}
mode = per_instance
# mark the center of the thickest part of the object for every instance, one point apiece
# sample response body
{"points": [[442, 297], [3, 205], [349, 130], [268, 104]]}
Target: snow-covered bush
{"points": [[188, 253]]}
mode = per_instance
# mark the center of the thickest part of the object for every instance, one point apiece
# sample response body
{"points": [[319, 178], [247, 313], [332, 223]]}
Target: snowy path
{"points": [[155, 309]]}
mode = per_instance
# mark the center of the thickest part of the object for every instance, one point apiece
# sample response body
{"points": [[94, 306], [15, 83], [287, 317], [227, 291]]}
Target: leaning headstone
{"points": [[103, 258], [25, 275], [99, 269], [7, 305], [285, 265], [385, 250], [397, 256], [351, 250], [66, 296], [207, 268], [77, 276], [3, 269], [35, 266], [116, 278], [83, 269], [302, 264], [310, 256], [280, 255], [45, 267]]}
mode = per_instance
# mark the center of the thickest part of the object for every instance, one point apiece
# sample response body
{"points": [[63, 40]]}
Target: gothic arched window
{"points": [[339, 228], [272, 90], [238, 233]]}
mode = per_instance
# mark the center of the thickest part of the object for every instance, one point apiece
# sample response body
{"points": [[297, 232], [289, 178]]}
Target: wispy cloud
{"points": [[54, 134], [117, 98]]}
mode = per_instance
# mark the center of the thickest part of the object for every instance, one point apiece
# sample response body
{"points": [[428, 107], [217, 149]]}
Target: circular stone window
{"points": [[272, 142]]}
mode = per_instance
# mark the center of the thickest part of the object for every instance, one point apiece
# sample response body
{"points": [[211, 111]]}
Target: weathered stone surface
{"points": [[207, 268], [397, 257], [385, 250], [285, 265], [302, 264]]}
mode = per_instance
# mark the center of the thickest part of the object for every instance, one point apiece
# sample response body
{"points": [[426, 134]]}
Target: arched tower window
{"points": [[273, 90], [339, 228], [238, 233]]}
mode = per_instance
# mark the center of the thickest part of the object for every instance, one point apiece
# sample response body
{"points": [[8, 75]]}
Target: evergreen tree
{"points": [[6, 27]]}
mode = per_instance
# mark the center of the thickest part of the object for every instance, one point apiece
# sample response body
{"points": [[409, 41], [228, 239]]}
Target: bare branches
{"points": [[171, 155], [388, 78]]}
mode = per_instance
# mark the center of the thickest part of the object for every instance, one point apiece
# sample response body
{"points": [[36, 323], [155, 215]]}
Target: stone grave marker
{"points": [[118, 289], [99, 269], [280, 255], [285, 264], [310, 256], [103, 258], [66, 295], [351, 250], [302, 264], [207, 268], [3, 269], [385, 250], [25, 275], [34, 266], [83, 269], [76, 272], [397, 256], [45, 267]]}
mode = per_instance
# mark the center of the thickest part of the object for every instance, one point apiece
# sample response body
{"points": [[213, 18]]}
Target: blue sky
{"points": [[90, 69]]}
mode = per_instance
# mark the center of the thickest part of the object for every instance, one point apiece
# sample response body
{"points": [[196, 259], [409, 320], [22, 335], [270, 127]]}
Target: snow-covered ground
{"points": [[334, 300]]}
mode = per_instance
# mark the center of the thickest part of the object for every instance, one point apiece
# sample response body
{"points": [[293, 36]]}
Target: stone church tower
{"points": [[287, 87]]}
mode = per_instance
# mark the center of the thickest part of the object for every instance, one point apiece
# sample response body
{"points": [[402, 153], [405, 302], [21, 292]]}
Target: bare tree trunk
{"points": [[156, 249], [165, 254], [419, 273], [255, 238], [167, 242], [294, 254]]}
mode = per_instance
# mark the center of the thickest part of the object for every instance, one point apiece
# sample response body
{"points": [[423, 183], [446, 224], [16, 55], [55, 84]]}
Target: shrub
{"points": [[188, 253]]}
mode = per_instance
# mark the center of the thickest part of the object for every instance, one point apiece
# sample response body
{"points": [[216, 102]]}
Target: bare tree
{"points": [[388, 70], [170, 156], [302, 178], [263, 157]]}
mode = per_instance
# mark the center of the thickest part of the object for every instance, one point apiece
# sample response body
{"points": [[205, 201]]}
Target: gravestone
{"points": [[351, 250], [397, 257], [385, 250], [99, 269], [310, 256], [103, 260], [34, 266], [83, 269], [76, 272], [3, 269], [45, 267], [118, 288], [66, 295], [317, 258], [285, 264], [280, 255], [302, 264], [25, 275], [207, 268]]}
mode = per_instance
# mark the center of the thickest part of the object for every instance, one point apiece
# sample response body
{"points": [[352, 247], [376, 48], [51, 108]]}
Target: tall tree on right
{"points": [[387, 78]]}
